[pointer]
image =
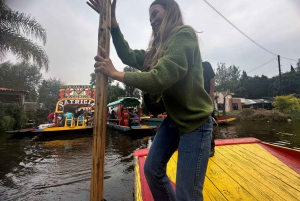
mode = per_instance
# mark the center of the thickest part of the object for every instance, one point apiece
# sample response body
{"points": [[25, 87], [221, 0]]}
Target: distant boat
{"points": [[123, 121], [241, 169], [224, 120], [72, 98]]}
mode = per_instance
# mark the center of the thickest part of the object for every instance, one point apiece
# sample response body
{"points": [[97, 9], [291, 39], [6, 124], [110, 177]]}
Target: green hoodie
{"points": [[178, 76]]}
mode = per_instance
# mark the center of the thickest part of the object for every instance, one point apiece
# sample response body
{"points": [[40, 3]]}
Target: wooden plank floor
{"points": [[239, 172], [248, 172]]}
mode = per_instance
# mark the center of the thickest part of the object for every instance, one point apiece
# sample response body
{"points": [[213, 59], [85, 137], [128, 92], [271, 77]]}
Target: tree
{"points": [[21, 76], [241, 91], [14, 28], [290, 83], [226, 80], [286, 104], [114, 91], [130, 90], [298, 65], [257, 87], [49, 93]]}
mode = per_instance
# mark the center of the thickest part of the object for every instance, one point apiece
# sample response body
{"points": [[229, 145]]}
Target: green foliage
{"points": [[256, 87], [21, 76], [114, 91], [287, 104], [40, 116], [227, 78], [14, 111], [295, 115], [7, 123], [49, 93], [15, 27], [290, 83], [249, 114]]}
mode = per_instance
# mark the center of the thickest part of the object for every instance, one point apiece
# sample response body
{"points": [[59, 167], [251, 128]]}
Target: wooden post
{"points": [[100, 115], [280, 85]]}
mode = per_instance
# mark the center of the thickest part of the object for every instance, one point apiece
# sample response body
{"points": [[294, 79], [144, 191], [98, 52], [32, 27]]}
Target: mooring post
{"points": [[100, 115]]}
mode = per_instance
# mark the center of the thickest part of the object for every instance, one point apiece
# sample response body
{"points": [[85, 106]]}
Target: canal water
{"points": [[59, 167]]}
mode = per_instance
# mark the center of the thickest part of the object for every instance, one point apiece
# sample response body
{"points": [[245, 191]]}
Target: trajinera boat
{"points": [[73, 112], [125, 115], [241, 169]]}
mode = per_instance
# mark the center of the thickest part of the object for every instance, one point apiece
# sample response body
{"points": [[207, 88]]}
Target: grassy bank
{"points": [[259, 115]]}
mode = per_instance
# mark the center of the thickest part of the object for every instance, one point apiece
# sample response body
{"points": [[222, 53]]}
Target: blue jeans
{"points": [[193, 154]]}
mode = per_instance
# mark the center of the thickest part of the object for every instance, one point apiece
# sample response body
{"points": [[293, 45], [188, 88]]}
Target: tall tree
{"points": [[298, 65], [15, 28], [115, 92], [49, 92], [241, 91], [21, 76], [258, 87], [226, 80], [290, 83]]}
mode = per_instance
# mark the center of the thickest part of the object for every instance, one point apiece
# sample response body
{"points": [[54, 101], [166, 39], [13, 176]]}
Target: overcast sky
{"points": [[72, 28]]}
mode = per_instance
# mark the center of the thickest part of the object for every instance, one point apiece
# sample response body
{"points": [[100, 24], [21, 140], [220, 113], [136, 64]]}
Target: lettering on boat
{"points": [[78, 101]]}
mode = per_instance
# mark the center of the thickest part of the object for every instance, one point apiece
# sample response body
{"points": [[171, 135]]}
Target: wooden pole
{"points": [[100, 115], [280, 85]]}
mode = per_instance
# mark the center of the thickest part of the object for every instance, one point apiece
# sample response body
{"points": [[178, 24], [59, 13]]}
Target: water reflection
{"points": [[59, 167], [284, 134]]}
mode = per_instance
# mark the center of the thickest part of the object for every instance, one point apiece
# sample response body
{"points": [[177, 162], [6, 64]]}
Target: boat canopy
{"points": [[126, 102]]}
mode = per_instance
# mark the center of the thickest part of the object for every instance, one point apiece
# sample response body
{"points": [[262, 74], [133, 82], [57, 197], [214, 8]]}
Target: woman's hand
{"points": [[105, 65], [94, 4]]}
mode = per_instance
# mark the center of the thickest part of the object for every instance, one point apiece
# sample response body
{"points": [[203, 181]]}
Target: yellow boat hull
{"points": [[242, 169]]}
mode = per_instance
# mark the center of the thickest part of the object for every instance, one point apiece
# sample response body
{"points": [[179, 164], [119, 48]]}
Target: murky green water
{"points": [[59, 167]]}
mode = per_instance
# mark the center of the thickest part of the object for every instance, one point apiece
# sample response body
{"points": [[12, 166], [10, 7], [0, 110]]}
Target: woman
{"points": [[174, 69]]}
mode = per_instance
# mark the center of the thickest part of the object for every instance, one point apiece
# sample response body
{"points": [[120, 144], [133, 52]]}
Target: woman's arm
{"points": [[132, 58]]}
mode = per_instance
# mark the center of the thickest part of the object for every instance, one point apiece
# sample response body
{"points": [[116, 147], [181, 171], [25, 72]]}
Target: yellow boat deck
{"points": [[251, 171]]}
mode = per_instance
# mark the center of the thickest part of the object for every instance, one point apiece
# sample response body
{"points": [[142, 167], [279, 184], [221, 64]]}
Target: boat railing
{"points": [[72, 122]]}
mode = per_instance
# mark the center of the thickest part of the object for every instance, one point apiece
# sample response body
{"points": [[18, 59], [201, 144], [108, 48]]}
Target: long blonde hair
{"points": [[172, 21]]}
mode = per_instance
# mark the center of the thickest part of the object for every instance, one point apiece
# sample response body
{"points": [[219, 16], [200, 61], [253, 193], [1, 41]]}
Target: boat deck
{"points": [[242, 169]]}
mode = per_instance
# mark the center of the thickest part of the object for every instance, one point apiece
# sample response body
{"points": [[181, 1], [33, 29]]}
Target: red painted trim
{"points": [[288, 156], [141, 152], [248, 140], [146, 193]]}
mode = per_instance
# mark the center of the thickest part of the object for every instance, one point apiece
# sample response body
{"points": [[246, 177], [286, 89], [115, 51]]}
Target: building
{"points": [[12, 96], [239, 104]]}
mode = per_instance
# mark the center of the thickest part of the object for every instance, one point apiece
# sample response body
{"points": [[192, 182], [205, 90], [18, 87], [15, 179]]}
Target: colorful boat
{"points": [[242, 169], [30, 130], [222, 120], [123, 120], [72, 98]]}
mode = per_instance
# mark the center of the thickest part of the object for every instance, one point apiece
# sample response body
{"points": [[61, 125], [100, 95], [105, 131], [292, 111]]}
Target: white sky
{"points": [[72, 31]]}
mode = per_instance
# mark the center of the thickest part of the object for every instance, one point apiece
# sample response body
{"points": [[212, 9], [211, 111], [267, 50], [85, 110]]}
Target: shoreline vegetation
{"points": [[249, 114], [17, 118]]}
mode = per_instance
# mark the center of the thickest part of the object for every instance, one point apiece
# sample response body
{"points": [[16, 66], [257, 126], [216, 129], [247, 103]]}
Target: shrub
{"points": [[287, 103], [7, 123], [16, 112], [261, 115]]}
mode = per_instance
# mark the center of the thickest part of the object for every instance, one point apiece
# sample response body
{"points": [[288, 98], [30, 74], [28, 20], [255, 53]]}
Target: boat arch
{"points": [[76, 102]]}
